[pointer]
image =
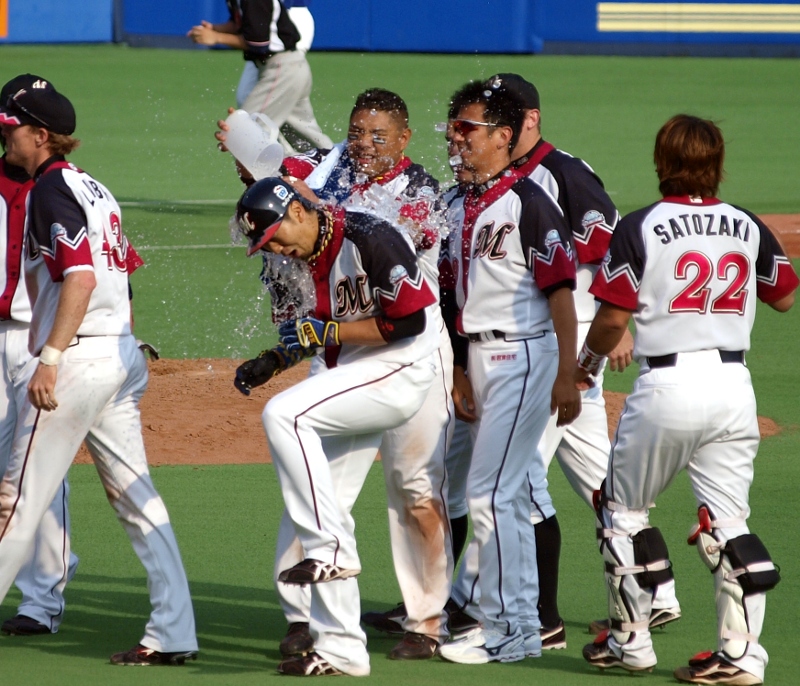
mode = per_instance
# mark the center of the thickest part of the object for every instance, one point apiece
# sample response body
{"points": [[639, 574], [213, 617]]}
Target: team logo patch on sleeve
{"points": [[56, 231], [398, 274], [552, 238], [591, 219]]}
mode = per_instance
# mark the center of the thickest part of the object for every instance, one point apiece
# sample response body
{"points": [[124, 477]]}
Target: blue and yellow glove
{"points": [[308, 334]]}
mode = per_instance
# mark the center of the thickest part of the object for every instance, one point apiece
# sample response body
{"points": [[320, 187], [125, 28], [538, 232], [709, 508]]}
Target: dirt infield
{"points": [[192, 414]]}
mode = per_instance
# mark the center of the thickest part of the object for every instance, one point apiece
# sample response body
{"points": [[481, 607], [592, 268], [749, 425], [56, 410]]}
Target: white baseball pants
{"points": [[100, 382], [699, 415], [43, 575], [363, 398]]}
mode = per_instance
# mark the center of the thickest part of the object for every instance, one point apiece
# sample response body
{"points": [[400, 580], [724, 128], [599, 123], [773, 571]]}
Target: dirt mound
{"points": [[192, 414]]}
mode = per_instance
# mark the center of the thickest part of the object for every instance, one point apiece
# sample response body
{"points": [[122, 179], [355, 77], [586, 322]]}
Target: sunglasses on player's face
{"points": [[462, 127]]}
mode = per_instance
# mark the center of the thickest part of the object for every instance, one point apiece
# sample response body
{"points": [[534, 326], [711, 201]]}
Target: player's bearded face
{"points": [[376, 141]]}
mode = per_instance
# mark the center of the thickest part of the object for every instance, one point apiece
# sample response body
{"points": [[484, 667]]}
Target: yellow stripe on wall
{"points": [[691, 17], [3, 18]]}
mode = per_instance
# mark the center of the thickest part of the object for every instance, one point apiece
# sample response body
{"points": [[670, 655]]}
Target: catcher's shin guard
{"points": [[633, 565], [743, 572]]}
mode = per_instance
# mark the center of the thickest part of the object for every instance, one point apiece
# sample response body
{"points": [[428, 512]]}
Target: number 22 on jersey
{"points": [[699, 269]]}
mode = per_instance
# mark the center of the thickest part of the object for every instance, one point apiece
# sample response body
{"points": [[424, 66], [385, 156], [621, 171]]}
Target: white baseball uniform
{"points": [[412, 454], [74, 225], [44, 574], [690, 271], [510, 249], [283, 88], [367, 269]]}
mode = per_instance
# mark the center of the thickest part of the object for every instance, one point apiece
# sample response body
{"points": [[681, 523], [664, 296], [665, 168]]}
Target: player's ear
{"points": [[405, 138], [503, 136]]}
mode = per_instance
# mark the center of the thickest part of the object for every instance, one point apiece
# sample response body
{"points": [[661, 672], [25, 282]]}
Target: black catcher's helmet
{"points": [[261, 209]]}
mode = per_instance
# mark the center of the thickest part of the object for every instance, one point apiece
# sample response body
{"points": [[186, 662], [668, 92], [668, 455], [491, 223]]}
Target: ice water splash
{"points": [[290, 285], [419, 216]]}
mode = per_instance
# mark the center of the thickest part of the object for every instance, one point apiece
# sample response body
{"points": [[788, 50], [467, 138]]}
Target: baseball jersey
{"points": [[369, 269], [14, 187], [589, 212], [510, 250], [74, 224], [265, 26], [690, 270]]}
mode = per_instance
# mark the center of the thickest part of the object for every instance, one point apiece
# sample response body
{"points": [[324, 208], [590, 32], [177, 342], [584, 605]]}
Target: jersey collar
{"points": [[687, 200], [529, 161]]}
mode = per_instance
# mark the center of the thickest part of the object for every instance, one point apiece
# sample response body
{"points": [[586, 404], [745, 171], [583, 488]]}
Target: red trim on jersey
{"points": [[298, 167], [383, 179], [132, 259], [618, 291], [474, 205], [554, 268], [540, 151], [14, 194], [785, 283], [409, 297], [687, 200], [68, 255]]}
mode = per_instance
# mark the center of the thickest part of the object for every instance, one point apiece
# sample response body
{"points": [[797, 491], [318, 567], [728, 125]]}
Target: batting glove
{"points": [[308, 334]]}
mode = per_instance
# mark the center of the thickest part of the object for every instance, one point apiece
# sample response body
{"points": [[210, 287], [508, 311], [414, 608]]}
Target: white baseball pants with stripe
{"points": [[361, 399], [100, 381]]}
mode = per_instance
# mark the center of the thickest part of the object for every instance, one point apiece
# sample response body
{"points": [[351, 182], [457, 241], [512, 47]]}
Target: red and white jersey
{"points": [[690, 270], [509, 249], [369, 269], [14, 187], [332, 176], [74, 224], [589, 212]]}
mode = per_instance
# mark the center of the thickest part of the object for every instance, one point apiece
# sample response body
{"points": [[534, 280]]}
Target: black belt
{"points": [[495, 335], [492, 335], [672, 360]]}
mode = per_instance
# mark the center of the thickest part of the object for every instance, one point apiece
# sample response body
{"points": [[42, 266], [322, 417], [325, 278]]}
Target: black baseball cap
{"points": [[30, 99], [521, 90]]}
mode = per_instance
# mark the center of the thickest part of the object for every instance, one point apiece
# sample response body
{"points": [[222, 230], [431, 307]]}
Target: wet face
{"points": [[376, 141], [297, 235], [483, 146], [460, 172]]}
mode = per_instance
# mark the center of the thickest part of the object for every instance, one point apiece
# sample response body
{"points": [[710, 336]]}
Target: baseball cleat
{"points": [[659, 616], [315, 572], [480, 646], [458, 621], [554, 638], [388, 622], [713, 668], [312, 664], [22, 625], [601, 655], [298, 640], [414, 647], [533, 644], [141, 656]]}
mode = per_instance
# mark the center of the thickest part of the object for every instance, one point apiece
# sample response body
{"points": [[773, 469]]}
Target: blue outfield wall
{"points": [[457, 26]]}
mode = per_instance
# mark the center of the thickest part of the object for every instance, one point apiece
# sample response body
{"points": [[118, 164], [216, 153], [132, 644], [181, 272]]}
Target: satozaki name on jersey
{"points": [[703, 225]]}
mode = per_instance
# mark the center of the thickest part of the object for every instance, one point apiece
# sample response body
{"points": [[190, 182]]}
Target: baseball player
{"points": [[301, 17], [688, 269], [87, 373], [371, 329], [514, 273], [371, 174], [269, 39], [42, 577]]}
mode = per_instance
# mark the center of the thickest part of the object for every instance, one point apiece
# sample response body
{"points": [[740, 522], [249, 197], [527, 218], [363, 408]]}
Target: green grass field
{"points": [[147, 117]]}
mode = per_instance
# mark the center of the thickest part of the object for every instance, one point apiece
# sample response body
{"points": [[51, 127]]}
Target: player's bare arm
{"points": [[207, 33], [622, 355], [565, 399], [783, 304], [72, 305], [463, 398], [608, 328]]}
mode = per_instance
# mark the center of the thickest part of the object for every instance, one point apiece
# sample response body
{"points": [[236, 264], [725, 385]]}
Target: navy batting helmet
{"points": [[261, 209]]}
